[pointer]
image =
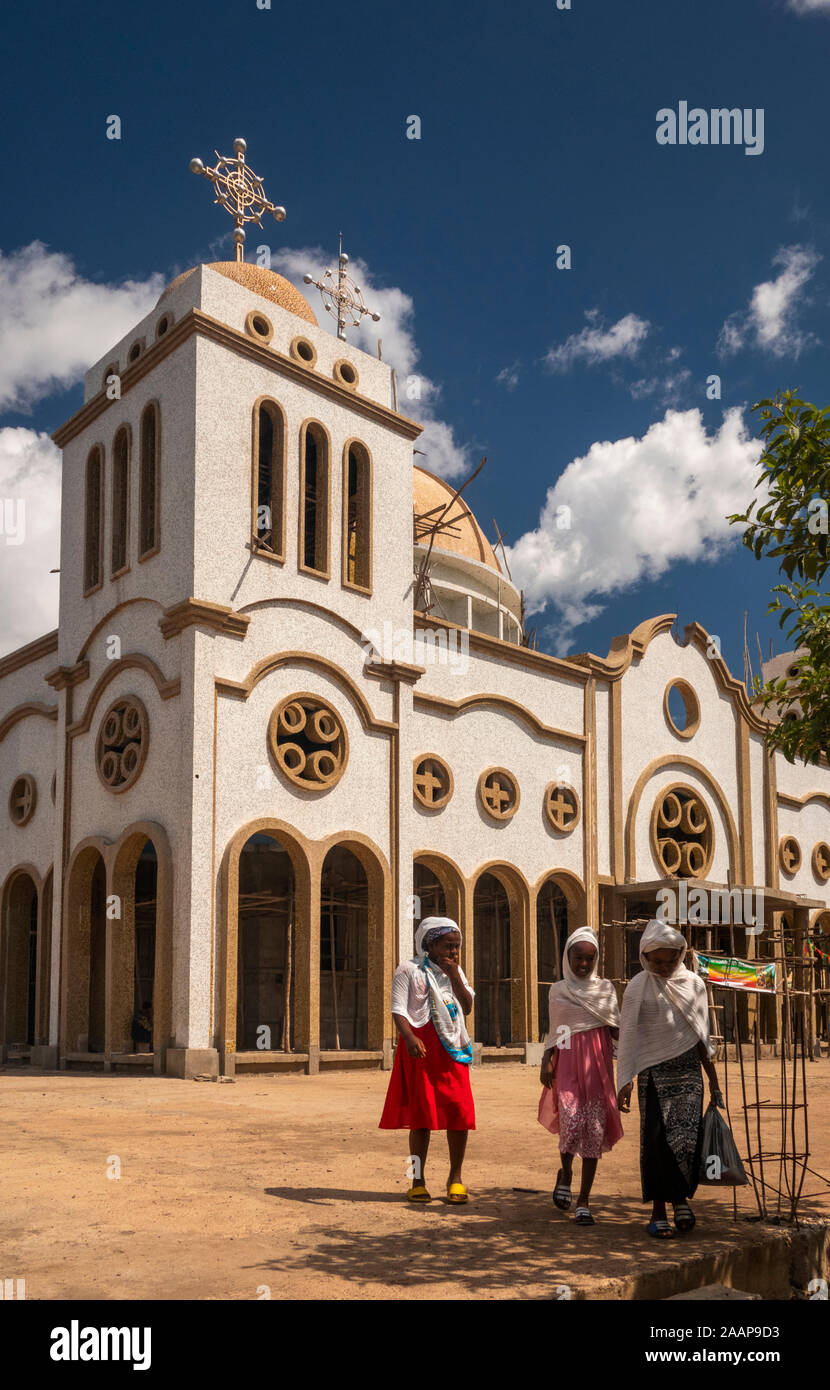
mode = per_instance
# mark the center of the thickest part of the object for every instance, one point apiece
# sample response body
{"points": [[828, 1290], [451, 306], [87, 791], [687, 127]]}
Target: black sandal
{"points": [[661, 1230], [562, 1193], [684, 1218], [583, 1217]]}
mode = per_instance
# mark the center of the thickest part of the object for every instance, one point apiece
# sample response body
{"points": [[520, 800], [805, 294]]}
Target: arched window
{"points": [[269, 479], [357, 517], [149, 533], [120, 501], [94, 519], [314, 500]]}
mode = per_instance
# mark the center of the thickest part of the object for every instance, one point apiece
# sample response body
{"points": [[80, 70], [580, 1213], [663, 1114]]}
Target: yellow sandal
{"points": [[418, 1194], [456, 1193]]}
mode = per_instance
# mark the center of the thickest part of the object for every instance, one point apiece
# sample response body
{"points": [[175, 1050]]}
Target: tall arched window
{"points": [[94, 520], [149, 530], [314, 500], [357, 517], [119, 550], [269, 479]]}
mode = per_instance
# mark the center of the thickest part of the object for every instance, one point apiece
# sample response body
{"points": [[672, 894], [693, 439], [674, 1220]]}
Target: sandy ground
{"points": [[286, 1182]]}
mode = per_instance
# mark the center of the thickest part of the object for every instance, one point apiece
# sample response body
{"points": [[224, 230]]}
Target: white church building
{"points": [[231, 779]]}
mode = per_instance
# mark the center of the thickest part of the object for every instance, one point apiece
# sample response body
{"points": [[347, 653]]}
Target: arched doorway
{"points": [[820, 943], [19, 962], [344, 953], [144, 949], [491, 930], [551, 936], [266, 976], [97, 992]]}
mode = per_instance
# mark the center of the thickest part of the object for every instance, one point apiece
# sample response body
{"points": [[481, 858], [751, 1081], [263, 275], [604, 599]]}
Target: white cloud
{"points": [[769, 322], [666, 389], [635, 507], [810, 6], [596, 343], [444, 455], [30, 496], [54, 323], [509, 376]]}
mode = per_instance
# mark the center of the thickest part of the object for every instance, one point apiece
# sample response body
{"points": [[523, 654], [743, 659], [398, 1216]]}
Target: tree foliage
{"points": [[788, 522]]}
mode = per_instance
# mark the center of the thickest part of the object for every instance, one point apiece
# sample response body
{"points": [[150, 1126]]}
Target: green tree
{"points": [[789, 524]]}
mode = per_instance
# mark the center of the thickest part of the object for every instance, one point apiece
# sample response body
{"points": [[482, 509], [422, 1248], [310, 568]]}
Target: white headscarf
{"points": [[580, 1004], [682, 1016], [445, 1011]]}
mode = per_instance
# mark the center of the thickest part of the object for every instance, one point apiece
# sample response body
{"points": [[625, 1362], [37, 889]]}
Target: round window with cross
{"points": [[22, 799], [562, 808], [821, 861], [789, 854], [432, 784], [308, 741], [682, 836], [498, 792]]}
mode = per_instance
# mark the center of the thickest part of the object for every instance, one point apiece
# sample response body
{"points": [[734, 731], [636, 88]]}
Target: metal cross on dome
{"points": [[342, 297], [239, 191]]}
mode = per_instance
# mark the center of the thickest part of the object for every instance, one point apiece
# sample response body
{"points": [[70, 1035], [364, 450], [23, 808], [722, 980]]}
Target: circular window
{"points": [[681, 708], [259, 327], [562, 807], [303, 351], [498, 792], [135, 351], [308, 740], [433, 783], [22, 799], [123, 737], [163, 325], [789, 854], [346, 374], [682, 835], [821, 861]]}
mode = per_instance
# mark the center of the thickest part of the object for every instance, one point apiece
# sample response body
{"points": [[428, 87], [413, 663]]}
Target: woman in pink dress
{"points": [[579, 1102]]}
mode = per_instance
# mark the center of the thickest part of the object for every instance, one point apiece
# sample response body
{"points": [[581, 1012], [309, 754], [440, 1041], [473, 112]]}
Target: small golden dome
{"points": [[464, 536], [256, 278]]}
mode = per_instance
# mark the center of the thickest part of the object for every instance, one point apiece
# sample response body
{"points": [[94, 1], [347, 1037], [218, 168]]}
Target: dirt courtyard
{"points": [[286, 1184]]}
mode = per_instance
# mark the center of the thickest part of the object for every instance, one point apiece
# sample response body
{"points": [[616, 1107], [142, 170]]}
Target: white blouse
{"points": [[410, 991]]}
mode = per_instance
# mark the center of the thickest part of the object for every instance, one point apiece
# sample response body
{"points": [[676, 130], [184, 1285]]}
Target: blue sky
{"points": [[538, 130]]}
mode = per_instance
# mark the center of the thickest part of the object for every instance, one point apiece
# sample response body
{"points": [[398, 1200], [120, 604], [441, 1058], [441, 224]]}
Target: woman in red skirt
{"points": [[430, 1083]]}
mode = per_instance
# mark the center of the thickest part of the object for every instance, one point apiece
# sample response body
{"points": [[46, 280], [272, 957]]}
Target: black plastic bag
{"points": [[720, 1162]]}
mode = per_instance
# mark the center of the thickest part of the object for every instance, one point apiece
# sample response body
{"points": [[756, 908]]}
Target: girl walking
{"points": [[664, 1042], [579, 1102], [430, 1083]]}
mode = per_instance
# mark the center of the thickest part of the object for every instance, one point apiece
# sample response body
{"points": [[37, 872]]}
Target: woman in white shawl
{"points": [[579, 1102], [664, 1041], [430, 1083]]}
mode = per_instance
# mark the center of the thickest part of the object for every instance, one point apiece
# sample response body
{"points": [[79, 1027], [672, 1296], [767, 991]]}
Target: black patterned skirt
{"points": [[670, 1097]]}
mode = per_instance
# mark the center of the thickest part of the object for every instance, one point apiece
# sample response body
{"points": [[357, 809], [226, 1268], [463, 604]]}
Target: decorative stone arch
{"points": [[382, 943], [715, 791], [166, 688], [121, 862], [518, 894], [456, 897], [306, 906], [20, 884], [577, 900], [76, 942]]}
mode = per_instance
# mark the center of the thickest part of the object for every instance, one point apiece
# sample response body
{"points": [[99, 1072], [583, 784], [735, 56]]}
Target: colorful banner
{"points": [[729, 973]]}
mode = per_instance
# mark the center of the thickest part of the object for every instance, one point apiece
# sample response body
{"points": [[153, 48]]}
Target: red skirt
{"points": [[431, 1092]]}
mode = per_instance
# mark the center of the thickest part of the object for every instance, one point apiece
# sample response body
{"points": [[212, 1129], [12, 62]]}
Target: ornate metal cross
{"points": [[239, 191], [342, 297]]}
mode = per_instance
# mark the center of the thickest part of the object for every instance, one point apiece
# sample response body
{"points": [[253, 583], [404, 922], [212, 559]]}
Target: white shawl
{"points": [[682, 1016], [578, 1004], [445, 1011]]}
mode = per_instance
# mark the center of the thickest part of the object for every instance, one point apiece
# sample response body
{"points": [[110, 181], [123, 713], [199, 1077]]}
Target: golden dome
{"points": [[464, 536], [260, 281]]}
